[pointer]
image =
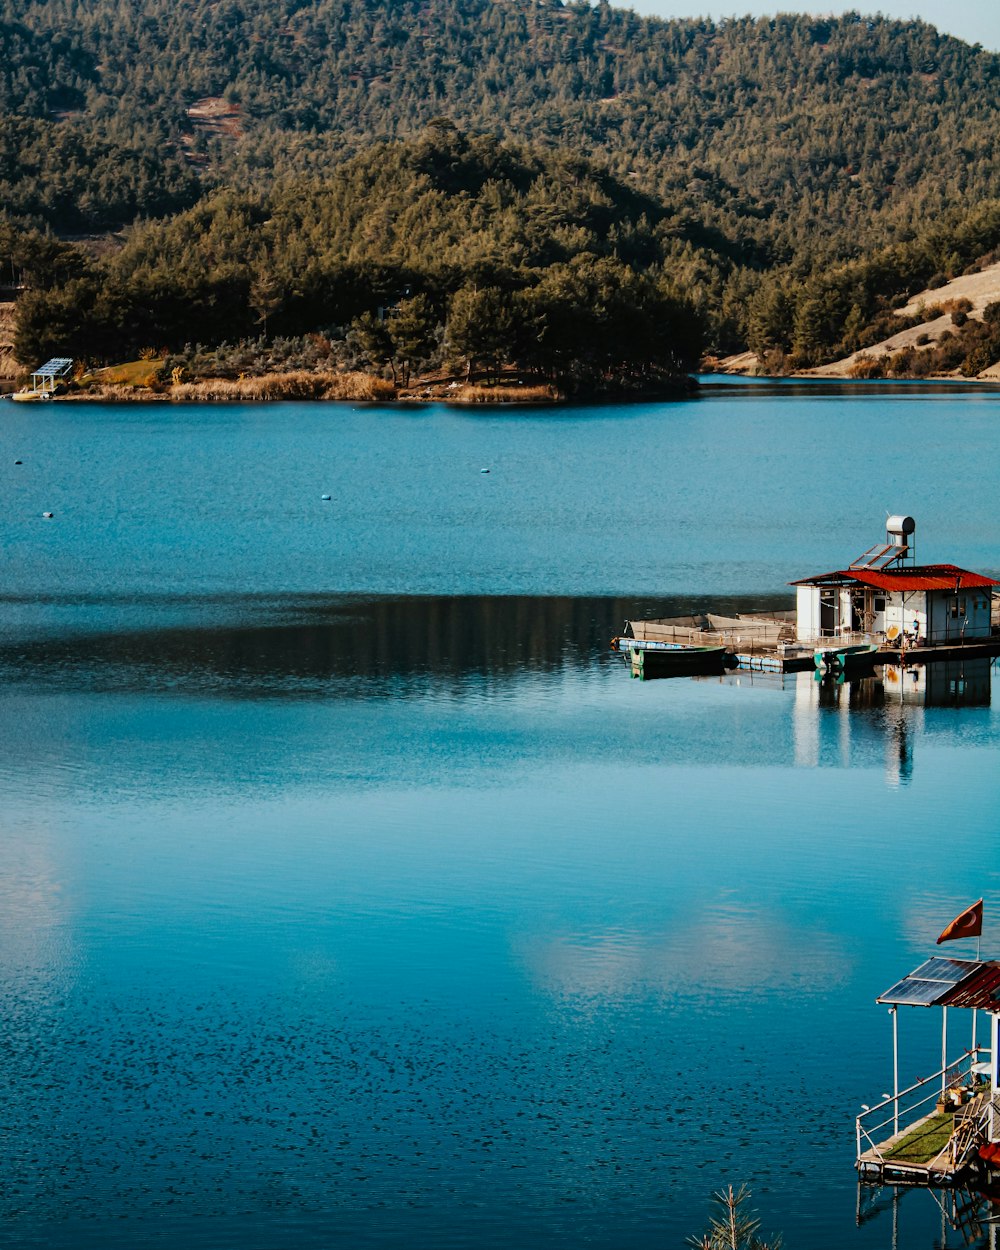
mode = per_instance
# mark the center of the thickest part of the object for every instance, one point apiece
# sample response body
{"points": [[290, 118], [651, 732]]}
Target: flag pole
{"points": [[975, 1014]]}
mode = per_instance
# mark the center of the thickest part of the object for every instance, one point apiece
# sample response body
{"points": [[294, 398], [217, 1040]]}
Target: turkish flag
{"points": [[968, 924]]}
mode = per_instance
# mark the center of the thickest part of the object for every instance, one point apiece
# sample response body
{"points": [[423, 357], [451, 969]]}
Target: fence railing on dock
{"points": [[883, 1130]]}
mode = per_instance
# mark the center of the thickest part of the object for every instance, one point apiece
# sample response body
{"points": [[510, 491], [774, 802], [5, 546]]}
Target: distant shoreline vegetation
{"points": [[156, 380]]}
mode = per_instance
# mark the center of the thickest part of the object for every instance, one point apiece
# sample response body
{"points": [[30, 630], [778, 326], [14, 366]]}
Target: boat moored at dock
{"points": [[846, 659], [673, 660]]}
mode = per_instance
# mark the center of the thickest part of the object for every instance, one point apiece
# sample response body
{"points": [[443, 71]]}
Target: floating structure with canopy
{"points": [[934, 1131]]}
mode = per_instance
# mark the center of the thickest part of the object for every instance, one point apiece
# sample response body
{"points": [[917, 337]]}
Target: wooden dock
{"points": [[768, 644]]}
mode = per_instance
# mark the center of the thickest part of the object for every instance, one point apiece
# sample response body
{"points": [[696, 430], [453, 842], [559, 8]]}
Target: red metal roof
{"points": [[943, 982], [922, 577], [980, 991]]}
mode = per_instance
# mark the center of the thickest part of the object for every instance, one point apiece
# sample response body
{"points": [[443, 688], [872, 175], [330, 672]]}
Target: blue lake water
{"points": [[351, 893]]}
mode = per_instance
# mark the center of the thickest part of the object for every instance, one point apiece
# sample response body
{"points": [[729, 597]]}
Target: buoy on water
{"points": [[484, 470], [18, 462], [327, 496], [48, 515]]}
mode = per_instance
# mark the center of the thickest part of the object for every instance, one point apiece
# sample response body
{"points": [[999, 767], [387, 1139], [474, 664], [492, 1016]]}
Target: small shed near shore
{"points": [[47, 377], [885, 596]]}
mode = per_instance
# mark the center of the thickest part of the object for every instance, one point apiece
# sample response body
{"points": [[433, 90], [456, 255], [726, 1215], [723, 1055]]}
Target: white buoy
{"points": [[48, 515], [484, 470], [327, 496]]}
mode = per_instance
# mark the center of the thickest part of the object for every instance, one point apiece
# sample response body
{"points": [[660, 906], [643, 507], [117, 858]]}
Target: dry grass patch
{"points": [[133, 373], [503, 395], [297, 385], [113, 393], [866, 367]]}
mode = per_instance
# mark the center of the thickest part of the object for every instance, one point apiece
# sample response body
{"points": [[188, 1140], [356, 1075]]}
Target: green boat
{"points": [[846, 659], [675, 661]]}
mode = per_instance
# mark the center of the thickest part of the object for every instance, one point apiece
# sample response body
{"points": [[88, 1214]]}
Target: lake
{"points": [[351, 892]]}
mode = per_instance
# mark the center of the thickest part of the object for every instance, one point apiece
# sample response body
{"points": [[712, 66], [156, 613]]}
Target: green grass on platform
{"points": [[924, 1142]]}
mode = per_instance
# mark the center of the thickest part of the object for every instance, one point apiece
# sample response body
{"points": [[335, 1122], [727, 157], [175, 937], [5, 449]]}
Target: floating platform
{"points": [[768, 644], [905, 1159]]}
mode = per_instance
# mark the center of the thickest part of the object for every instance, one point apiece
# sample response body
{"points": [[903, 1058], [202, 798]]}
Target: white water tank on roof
{"points": [[898, 530]]}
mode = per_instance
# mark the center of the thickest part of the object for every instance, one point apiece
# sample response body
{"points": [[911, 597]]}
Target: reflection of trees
{"points": [[298, 645]]}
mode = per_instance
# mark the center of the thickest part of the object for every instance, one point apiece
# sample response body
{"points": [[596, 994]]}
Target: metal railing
{"points": [[904, 1113]]}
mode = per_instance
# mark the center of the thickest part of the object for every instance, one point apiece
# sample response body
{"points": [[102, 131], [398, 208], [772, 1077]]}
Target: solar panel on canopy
{"points": [[53, 368], [915, 993], [932, 981], [937, 968]]}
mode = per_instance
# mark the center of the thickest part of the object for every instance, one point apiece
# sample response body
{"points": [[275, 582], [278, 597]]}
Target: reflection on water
{"points": [[965, 1216], [312, 645], [347, 921]]}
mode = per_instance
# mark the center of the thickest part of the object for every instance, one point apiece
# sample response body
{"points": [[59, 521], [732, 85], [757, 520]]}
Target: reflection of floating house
{"points": [[887, 597], [947, 1124]]}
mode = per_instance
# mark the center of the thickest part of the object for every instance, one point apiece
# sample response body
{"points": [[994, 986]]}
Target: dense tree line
{"points": [[850, 307], [449, 247]]}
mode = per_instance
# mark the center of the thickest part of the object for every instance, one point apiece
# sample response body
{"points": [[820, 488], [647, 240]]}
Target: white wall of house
{"points": [[957, 616], [807, 612], [844, 623], [934, 615]]}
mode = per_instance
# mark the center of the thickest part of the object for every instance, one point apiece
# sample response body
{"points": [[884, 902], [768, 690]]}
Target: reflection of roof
{"points": [[943, 982], [920, 577], [53, 368]]}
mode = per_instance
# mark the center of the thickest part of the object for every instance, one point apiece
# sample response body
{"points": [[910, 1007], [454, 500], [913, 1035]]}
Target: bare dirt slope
{"points": [[979, 288]]}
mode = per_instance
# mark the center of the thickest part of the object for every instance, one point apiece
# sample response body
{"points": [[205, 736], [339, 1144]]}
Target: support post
{"points": [[895, 1071], [944, 1048], [994, 1056]]}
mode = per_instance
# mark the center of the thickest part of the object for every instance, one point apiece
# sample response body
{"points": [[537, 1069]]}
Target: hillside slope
{"points": [[971, 294], [790, 140]]}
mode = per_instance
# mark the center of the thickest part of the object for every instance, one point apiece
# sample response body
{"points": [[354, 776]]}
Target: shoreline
{"points": [[271, 391]]}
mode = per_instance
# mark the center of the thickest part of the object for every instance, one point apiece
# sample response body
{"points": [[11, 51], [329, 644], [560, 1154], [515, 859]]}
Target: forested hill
{"points": [[790, 179], [796, 140], [482, 252]]}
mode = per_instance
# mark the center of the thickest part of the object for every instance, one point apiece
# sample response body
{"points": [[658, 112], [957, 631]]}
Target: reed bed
{"points": [[299, 384], [112, 393], [543, 394]]}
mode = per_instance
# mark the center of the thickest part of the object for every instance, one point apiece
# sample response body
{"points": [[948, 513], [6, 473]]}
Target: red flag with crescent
{"points": [[968, 924]]}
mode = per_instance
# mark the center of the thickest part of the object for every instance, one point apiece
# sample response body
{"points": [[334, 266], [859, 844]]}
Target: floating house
{"points": [[884, 596], [883, 608]]}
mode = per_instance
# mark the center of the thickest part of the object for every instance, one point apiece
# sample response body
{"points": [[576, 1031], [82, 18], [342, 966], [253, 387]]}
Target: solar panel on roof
{"points": [[915, 993], [932, 981], [938, 968], [54, 367]]}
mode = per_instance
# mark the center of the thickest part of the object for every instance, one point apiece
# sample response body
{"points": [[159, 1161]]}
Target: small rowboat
{"points": [[673, 661]]}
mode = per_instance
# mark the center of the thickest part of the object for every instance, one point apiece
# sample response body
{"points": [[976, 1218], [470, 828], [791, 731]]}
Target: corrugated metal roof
{"points": [[932, 982], [980, 991], [921, 577]]}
